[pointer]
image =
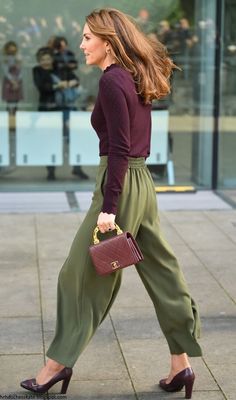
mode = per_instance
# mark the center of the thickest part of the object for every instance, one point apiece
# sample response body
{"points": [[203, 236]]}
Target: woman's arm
{"points": [[6, 73], [115, 109]]}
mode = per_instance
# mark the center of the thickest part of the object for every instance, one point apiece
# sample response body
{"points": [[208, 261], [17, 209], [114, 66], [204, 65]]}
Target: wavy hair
{"points": [[144, 57]]}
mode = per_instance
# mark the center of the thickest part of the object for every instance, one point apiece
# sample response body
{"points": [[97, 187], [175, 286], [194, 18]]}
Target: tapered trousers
{"points": [[84, 298]]}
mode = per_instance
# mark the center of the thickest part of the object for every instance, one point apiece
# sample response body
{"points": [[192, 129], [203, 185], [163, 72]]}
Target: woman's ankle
{"points": [[54, 365], [179, 362]]}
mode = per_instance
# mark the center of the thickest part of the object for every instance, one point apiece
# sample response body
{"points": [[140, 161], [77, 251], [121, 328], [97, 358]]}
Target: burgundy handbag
{"points": [[114, 253]]}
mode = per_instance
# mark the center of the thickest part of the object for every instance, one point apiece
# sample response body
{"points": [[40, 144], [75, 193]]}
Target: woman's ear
{"points": [[108, 47]]}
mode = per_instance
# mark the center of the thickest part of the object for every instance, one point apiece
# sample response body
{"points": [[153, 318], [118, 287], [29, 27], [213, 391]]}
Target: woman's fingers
{"points": [[106, 222]]}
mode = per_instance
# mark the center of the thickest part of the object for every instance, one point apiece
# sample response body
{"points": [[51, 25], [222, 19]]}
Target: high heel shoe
{"points": [[64, 375], [183, 378]]}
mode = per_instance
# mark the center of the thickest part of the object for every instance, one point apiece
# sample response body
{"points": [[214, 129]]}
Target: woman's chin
{"points": [[89, 61]]}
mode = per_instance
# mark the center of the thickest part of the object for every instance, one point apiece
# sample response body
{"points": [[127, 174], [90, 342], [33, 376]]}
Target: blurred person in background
{"points": [[12, 91], [166, 35], [54, 92], [184, 41], [144, 21], [64, 58], [65, 64], [42, 77], [50, 43]]}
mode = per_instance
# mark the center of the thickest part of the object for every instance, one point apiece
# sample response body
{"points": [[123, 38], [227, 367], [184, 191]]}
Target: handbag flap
{"points": [[117, 252]]}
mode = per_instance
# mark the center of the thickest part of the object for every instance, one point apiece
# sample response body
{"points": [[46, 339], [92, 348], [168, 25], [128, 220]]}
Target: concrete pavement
{"points": [[128, 355]]}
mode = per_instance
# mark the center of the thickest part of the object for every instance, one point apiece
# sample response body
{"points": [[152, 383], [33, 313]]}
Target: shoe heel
{"points": [[65, 384], [189, 389]]}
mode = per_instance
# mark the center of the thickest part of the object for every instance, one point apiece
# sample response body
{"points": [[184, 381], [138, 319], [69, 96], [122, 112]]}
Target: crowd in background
{"points": [[32, 33], [55, 79], [54, 54]]}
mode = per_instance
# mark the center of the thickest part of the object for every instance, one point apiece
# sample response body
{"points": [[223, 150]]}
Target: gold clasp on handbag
{"points": [[115, 264], [95, 234]]}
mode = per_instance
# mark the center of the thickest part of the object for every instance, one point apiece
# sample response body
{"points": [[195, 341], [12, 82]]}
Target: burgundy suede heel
{"points": [[64, 375], [184, 378]]}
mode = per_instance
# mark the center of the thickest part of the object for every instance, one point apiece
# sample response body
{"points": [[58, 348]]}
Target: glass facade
{"points": [[37, 146], [227, 136]]}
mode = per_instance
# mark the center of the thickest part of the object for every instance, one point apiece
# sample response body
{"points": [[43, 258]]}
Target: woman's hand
{"points": [[106, 222], [62, 85], [15, 85], [73, 83]]}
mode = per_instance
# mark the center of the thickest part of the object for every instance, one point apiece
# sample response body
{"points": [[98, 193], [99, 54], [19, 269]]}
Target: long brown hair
{"points": [[144, 57]]}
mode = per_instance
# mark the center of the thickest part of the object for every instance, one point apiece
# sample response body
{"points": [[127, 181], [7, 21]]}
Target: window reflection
{"points": [[187, 28]]}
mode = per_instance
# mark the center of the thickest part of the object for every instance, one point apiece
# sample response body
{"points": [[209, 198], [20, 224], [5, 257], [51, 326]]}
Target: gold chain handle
{"points": [[96, 230]]}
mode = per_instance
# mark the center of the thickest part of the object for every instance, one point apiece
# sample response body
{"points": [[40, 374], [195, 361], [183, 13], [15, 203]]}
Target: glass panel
{"points": [[186, 27], [191, 104], [38, 138], [4, 139], [227, 142], [83, 146], [159, 141]]}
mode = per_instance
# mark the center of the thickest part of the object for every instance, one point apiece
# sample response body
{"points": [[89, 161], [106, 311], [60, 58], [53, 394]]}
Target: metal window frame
{"points": [[217, 92]]}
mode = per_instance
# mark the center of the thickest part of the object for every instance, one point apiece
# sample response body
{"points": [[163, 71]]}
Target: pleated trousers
{"points": [[84, 298]]}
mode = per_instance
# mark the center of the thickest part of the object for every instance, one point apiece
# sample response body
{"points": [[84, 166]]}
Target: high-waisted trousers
{"points": [[84, 298]]}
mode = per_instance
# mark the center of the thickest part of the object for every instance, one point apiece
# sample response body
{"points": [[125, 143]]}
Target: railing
{"points": [[39, 140]]}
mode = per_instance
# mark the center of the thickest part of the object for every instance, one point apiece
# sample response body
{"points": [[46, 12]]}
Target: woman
{"points": [[135, 71], [12, 91]]}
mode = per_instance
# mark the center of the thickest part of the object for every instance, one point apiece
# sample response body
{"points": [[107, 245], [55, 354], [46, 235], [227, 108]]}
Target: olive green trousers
{"points": [[84, 298]]}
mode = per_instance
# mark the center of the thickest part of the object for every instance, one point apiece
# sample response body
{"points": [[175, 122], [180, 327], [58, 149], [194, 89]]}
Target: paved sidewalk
{"points": [[54, 202], [128, 355]]}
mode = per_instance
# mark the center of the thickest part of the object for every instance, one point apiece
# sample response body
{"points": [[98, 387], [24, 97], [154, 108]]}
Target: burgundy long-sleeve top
{"points": [[123, 124]]}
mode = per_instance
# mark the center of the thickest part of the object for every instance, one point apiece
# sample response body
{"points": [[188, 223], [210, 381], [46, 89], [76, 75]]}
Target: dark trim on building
{"points": [[217, 85]]}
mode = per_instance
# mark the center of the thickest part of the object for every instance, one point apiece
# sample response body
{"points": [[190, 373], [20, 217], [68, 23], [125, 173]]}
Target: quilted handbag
{"points": [[114, 253]]}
